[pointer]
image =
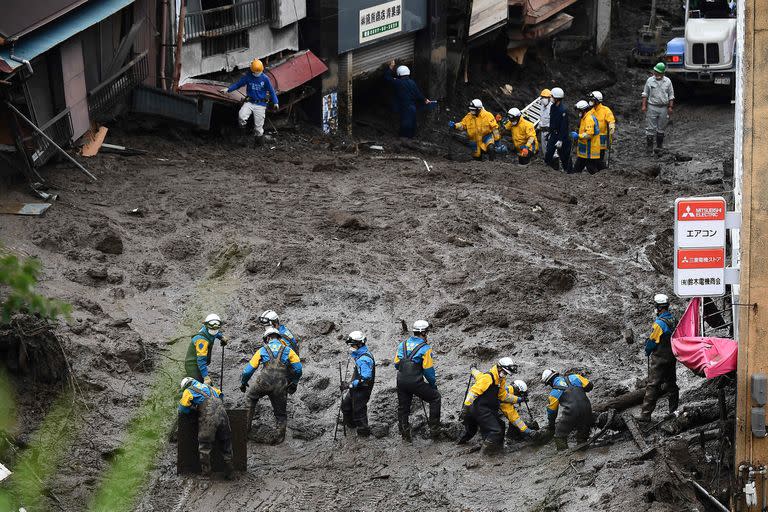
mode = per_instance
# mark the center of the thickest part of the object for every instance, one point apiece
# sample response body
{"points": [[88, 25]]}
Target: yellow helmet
{"points": [[546, 93], [257, 66]]}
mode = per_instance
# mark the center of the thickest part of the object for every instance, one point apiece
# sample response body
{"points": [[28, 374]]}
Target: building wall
{"points": [[603, 29]]}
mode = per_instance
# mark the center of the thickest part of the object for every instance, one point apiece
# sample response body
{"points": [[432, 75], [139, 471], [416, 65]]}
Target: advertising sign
{"points": [[381, 20], [700, 246]]}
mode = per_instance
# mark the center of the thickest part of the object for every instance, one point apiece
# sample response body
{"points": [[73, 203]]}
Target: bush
{"points": [[17, 290]]}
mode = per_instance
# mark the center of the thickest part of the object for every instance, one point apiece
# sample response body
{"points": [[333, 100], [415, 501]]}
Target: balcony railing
{"points": [[59, 129], [109, 93], [227, 19]]}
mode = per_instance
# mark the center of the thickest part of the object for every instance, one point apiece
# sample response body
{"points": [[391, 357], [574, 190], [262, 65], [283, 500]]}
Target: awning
{"points": [[40, 41], [286, 75]]}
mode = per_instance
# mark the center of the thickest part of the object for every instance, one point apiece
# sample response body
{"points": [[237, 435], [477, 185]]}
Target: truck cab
{"points": [[707, 52]]}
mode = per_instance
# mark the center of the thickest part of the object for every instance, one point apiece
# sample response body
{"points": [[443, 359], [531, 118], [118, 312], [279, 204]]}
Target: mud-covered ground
{"points": [[525, 262]]}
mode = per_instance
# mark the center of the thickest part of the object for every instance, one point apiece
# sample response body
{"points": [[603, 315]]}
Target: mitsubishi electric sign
{"points": [[381, 20], [700, 246]]}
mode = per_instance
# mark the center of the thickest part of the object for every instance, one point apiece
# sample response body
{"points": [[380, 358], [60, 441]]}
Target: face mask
{"points": [[591, 103], [544, 101], [213, 332], [257, 74]]}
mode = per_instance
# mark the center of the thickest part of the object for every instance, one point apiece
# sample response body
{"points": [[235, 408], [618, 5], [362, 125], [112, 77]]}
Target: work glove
{"points": [[574, 135], [650, 347], [528, 434], [344, 386], [223, 339], [524, 151], [584, 135], [558, 144], [224, 90], [207, 380], [243, 387], [451, 124], [292, 388], [464, 412]]}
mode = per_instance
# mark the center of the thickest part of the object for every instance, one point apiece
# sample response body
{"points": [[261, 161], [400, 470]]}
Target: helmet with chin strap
{"points": [[356, 338], [548, 376]]}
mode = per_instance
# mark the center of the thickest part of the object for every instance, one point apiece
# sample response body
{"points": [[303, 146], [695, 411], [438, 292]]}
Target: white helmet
{"points": [[596, 95], [514, 112], [548, 376], [269, 317], [506, 365], [356, 338], [558, 93], [582, 105], [420, 327], [475, 105], [661, 300], [403, 71], [269, 331], [186, 382], [520, 386], [212, 320]]}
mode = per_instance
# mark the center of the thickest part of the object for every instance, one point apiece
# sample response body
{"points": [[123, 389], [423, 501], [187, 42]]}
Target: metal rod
{"points": [[711, 498], [163, 41], [221, 379], [469, 382], [41, 132]]}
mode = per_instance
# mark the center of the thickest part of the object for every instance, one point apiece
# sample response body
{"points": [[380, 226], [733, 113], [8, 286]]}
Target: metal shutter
{"points": [[372, 57]]}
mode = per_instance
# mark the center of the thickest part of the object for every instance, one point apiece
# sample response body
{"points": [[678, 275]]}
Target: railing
{"points": [[113, 90], [227, 19], [59, 129]]}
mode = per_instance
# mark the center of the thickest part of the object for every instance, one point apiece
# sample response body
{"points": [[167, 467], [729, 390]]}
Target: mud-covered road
{"points": [[525, 262]]}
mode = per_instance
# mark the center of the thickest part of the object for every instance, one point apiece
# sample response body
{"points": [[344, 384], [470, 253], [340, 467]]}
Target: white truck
{"points": [[707, 52]]}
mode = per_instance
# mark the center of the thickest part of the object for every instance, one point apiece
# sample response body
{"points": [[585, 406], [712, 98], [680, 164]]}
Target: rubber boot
{"points": [[435, 431], [251, 412], [491, 155], [561, 443], [205, 464], [674, 400], [491, 449], [280, 437], [363, 431], [465, 437], [258, 141], [228, 470], [660, 140], [649, 141]]}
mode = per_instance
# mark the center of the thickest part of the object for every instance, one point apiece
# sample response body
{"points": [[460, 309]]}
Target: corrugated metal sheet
{"points": [[61, 29], [370, 58], [149, 100]]}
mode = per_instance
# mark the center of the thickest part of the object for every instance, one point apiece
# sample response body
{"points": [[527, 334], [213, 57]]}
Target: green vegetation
{"points": [[17, 290]]}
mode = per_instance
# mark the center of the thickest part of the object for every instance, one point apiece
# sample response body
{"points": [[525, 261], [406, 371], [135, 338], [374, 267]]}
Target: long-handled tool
{"points": [[532, 423], [466, 392], [341, 399], [221, 379]]}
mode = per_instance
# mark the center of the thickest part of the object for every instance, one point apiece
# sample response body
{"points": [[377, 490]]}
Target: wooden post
{"points": [[751, 157], [179, 41]]}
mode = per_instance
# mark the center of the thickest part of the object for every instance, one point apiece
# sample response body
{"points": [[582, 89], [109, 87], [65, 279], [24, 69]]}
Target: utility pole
{"points": [[751, 184], [179, 42]]}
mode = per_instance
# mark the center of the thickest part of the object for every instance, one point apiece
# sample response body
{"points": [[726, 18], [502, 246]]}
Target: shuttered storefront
{"points": [[371, 58]]}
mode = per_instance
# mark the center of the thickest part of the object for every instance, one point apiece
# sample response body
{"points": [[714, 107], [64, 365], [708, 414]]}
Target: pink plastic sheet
{"points": [[706, 356]]}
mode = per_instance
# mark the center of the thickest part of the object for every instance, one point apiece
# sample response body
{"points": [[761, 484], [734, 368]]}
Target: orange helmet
{"points": [[257, 66], [546, 93]]}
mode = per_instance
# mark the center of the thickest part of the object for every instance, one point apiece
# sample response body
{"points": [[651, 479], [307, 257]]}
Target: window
{"points": [[223, 44]]}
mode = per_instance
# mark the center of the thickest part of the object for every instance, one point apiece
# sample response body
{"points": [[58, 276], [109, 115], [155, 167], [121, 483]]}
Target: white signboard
{"points": [[4, 472], [700, 247], [381, 20]]}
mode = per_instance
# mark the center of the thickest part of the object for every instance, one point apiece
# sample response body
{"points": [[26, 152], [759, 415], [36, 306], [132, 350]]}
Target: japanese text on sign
{"points": [[381, 20], [700, 246]]}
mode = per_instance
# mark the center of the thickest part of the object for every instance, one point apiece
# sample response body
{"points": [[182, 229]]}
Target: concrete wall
{"points": [[290, 11], [603, 29]]}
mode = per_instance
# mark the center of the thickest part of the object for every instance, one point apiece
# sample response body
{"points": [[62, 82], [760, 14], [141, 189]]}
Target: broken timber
{"points": [[645, 450]]}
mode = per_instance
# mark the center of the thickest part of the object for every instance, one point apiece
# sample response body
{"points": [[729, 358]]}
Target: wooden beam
{"points": [[752, 131]]}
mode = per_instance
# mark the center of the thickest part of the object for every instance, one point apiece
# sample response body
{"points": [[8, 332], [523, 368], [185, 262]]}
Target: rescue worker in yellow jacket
{"points": [[523, 135], [588, 140], [482, 130], [606, 122], [482, 404]]}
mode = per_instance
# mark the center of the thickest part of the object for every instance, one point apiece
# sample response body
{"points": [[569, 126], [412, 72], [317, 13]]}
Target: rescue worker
{"points": [[588, 140], [662, 364], [658, 102], [408, 97], [354, 406], [489, 395], [279, 377], [213, 422], [523, 136], [482, 130], [416, 376], [200, 349], [606, 122], [270, 318], [559, 134], [259, 92], [545, 100], [569, 407], [517, 393]]}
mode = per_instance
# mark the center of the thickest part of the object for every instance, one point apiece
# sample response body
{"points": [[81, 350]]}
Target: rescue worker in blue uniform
{"points": [[270, 318], [200, 349], [354, 406], [279, 376], [662, 364], [259, 92], [408, 98], [559, 134], [482, 404], [416, 376], [569, 407], [213, 422]]}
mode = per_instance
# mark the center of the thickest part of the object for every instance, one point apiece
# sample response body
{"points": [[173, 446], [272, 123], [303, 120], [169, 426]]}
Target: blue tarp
{"points": [[40, 41]]}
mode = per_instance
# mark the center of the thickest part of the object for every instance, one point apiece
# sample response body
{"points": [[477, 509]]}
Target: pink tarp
{"points": [[711, 357]]}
